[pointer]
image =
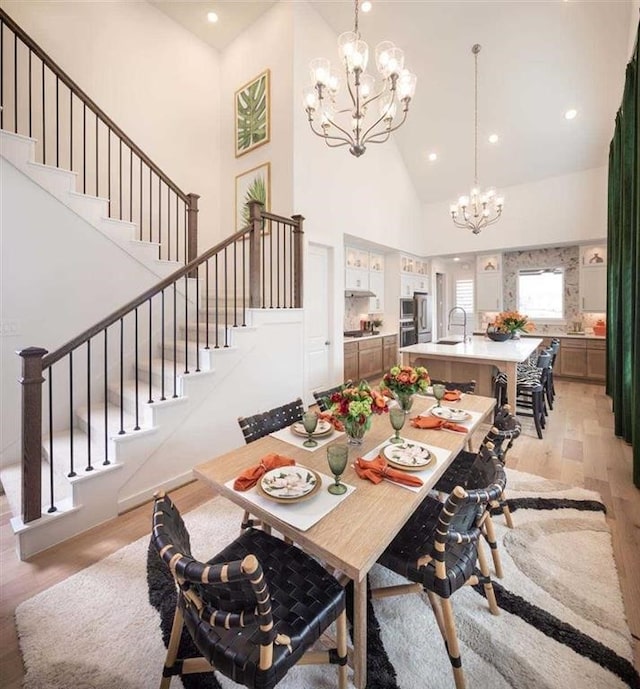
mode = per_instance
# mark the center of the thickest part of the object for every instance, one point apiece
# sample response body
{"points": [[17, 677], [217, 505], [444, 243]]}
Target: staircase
{"points": [[131, 404]]}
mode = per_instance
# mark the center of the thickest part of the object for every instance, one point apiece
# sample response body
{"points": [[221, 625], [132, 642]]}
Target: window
{"points": [[540, 293], [464, 295]]}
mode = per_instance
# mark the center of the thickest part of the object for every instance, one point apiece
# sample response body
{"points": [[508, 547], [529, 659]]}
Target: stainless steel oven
{"points": [[407, 309], [408, 333]]}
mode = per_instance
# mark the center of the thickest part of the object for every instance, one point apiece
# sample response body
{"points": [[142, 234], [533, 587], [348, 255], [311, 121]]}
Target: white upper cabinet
{"points": [[593, 278], [489, 282]]}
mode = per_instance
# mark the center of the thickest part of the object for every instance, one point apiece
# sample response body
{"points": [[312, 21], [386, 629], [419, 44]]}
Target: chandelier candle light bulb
{"points": [[398, 87], [480, 209]]}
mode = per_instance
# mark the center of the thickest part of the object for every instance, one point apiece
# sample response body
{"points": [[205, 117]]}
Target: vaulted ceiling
{"points": [[539, 58]]}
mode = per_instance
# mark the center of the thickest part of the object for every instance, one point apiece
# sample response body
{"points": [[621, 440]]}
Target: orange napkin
{"points": [[431, 422], [336, 423], [249, 477], [453, 395], [377, 470]]}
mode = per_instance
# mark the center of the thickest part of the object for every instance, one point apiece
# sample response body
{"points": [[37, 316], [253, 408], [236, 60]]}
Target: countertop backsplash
{"points": [[355, 308]]}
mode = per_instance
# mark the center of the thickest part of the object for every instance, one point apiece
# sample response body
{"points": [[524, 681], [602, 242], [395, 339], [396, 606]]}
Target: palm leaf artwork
{"points": [[257, 191], [252, 114]]}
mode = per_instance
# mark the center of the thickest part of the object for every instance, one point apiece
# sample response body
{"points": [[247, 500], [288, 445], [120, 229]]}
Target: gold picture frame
{"points": [[252, 114], [252, 184]]}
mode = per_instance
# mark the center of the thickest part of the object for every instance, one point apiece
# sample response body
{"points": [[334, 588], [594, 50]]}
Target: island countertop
{"points": [[475, 359], [479, 347]]}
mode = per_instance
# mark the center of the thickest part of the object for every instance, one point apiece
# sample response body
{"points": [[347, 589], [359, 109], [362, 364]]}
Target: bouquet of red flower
{"points": [[357, 403]]}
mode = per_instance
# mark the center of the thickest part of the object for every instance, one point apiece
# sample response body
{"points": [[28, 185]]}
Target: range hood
{"points": [[358, 293]]}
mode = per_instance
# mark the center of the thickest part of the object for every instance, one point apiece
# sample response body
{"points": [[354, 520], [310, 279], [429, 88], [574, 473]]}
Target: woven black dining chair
{"points": [[437, 550], [252, 611], [468, 387]]}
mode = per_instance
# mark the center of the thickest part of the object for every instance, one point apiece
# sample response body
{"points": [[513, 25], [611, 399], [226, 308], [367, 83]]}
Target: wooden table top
{"points": [[354, 534]]}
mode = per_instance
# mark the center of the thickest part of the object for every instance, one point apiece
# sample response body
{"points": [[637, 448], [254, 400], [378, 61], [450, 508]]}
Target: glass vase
{"points": [[355, 430], [405, 401]]}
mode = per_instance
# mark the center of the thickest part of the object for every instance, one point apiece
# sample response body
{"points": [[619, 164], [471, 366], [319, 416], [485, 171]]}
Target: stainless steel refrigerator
{"points": [[422, 316]]}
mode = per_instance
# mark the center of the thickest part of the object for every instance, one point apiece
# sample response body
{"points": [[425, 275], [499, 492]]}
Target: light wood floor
{"points": [[578, 447]]}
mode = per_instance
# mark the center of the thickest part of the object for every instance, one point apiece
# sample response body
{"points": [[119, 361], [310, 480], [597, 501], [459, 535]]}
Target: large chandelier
{"points": [[480, 208], [360, 122]]}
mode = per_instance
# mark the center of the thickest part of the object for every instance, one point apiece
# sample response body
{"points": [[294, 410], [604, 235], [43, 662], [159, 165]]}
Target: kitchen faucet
{"points": [[464, 322]]}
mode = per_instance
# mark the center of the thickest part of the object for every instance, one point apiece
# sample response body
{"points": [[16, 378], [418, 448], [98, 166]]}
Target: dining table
{"points": [[358, 526]]}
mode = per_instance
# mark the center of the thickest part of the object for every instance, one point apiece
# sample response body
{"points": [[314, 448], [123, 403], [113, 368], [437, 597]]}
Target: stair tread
{"points": [[113, 418]]}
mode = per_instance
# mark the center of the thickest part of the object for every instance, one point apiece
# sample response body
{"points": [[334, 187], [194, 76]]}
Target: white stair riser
{"points": [[55, 180]]}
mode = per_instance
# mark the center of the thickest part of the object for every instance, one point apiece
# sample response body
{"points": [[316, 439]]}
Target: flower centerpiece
{"points": [[512, 322], [354, 405], [404, 382]]}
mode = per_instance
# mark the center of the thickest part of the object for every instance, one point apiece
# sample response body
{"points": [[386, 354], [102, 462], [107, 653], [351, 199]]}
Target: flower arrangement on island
{"points": [[512, 321], [406, 380]]}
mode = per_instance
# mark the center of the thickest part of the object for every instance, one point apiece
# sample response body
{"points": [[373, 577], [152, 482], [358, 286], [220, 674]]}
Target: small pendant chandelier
{"points": [[361, 122], [480, 208]]}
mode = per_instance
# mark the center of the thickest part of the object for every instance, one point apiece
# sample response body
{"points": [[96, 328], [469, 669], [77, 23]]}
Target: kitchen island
{"points": [[473, 360]]}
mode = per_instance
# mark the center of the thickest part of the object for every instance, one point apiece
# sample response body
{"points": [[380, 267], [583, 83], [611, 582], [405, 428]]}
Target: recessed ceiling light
{"points": [[570, 114], [212, 17], [494, 138], [457, 258], [366, 6], [433, 157]]}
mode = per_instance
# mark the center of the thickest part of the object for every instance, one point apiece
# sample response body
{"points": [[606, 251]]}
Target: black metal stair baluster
{"points": [[130, 185], [186, 323], [177, 227], [72, 471], [120, 179], [235, 285], [89, 466], [140, 205], [216, 304], [270, 266], [226, 297], [291, 275], [57, 122], [263, 296], [97, 158], [175, 333], [44, 127], [284, 263], [244, 281], [198, 319], [278, 302], [52, 507], [159, 218], [206, 299], [150, 206], [162, 397], [150, 399], [70, 130], [2, 76], [15, 83], [84, 148], [121, 431], [135, 315], [106, 461], [109, 168], [30, 96]]}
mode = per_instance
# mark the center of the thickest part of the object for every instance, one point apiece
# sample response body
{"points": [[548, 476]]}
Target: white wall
{"points": [[58, 279], [266, 44], [559, 210], [158, 82], [633, 28]]}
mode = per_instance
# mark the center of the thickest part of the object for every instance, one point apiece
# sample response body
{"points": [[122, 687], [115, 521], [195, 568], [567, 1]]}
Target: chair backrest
{"points": [[459, 520], [506, 428], [259, 425], [222, 596], [544, 360], [468, 387], [323, 397]]}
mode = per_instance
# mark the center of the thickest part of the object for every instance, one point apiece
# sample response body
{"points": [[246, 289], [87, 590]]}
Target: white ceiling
{"points": [[538, 58]]}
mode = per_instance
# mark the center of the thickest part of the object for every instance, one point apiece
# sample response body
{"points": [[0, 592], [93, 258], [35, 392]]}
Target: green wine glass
{"points": [[337, 457], [397, 416], [438, 392], [310, 423]]}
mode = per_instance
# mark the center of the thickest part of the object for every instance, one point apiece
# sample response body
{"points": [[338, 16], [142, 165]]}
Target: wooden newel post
{"points": [[192, 231], [255, 276], [297, 276], [31, 381]]}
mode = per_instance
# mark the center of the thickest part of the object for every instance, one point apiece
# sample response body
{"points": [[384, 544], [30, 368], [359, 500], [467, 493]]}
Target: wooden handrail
{"points": [[66, 79], [61, 352]]}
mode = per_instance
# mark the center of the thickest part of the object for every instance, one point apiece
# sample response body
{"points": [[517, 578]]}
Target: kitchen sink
{"points": [[451, 342]]}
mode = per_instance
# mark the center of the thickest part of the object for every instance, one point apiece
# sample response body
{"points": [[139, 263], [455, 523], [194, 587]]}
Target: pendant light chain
{"points": [[355, 24], [476, 50]]}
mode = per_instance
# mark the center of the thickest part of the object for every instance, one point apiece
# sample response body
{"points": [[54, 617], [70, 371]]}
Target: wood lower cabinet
{"points": [[389, 351], [573, 360], [350, 361], [365, 359], [596, 359]]}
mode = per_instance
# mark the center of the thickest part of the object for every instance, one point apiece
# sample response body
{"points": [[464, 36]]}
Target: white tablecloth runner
{"points": [[290, 437], [301, 515], [439, 453]]}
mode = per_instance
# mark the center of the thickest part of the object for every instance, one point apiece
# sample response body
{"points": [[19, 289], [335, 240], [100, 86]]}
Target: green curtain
{"points": [[623, 278]]}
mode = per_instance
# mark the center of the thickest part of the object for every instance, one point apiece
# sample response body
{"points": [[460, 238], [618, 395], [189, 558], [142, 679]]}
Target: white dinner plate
{"points": [[289, 483], [407, 456], [450, 414], [323, 428]]}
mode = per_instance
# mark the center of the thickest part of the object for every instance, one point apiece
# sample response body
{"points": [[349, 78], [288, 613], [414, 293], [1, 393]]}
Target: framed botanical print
{"points": [[252, 185], [252, 114]]}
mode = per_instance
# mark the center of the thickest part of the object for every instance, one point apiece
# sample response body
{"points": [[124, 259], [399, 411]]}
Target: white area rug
{"points": [[97, 629]]}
